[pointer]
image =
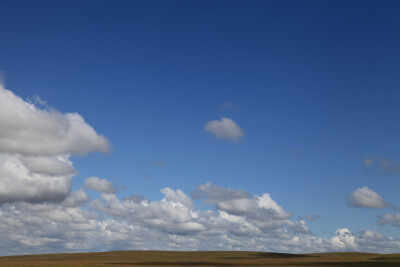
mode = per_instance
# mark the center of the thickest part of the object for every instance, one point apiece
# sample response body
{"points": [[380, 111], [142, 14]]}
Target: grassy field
{"points": [[203, 258]]}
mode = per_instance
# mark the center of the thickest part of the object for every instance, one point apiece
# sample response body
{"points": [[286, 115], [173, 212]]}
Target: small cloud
{"points": [[99, 185], [225, 128], [366, 198]]}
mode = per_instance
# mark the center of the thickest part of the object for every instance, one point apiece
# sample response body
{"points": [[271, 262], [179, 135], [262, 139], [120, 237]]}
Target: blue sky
{"points": [[312, 85]]}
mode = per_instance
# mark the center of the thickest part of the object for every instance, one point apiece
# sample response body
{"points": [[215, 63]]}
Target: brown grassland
{"points": [[202, 258]]}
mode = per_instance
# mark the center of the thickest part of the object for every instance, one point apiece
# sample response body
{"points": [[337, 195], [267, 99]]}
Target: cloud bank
{"points": [[228, 220]]}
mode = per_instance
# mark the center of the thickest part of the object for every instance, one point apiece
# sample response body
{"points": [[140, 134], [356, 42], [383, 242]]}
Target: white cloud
{"points": [[260, 209], [28, 130], [345, 240], [173, 214], [35, 147], [225, 128], [100, 185], [18, 183], [365, 197]]}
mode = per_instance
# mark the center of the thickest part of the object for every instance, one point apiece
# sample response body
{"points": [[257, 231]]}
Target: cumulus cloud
{"points": [[259, 212], [365, 197], [35, 149], [237, 202], [28, 130], [225, 128], [100, 185], [173, 214], [345, 240]]}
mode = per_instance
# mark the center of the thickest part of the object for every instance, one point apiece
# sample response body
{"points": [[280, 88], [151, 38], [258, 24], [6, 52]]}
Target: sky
{"points": [[199, 125]]}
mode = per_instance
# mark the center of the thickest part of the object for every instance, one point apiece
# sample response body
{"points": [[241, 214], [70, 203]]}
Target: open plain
{"points": [[202, 258]]}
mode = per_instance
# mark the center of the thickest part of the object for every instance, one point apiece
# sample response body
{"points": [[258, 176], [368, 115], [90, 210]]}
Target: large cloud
{"points": [[35, 146], [365, 197], [225, 128], [28, 130]]}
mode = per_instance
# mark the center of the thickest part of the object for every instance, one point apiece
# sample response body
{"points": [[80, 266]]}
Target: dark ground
{"points": [[202, 258]]}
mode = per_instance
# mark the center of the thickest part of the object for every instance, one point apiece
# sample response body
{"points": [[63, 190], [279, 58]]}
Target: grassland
{"points": [[203, 258]]}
